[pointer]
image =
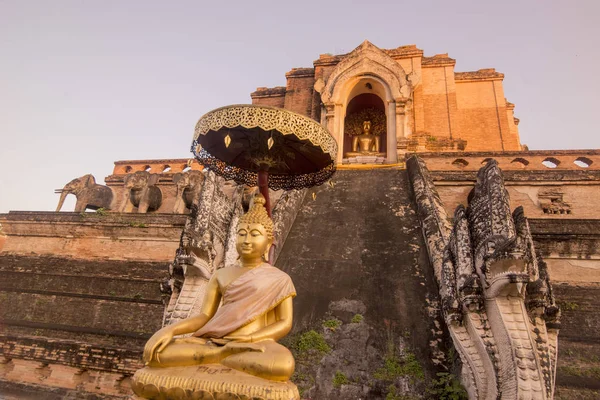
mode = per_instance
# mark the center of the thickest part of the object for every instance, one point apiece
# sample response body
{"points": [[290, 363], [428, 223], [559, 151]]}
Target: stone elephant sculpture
{"points": [[140, 190], [189, 185], [89, 194]]}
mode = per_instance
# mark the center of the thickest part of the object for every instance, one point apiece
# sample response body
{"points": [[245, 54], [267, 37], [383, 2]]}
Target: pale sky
{"points": [[86, 83]]}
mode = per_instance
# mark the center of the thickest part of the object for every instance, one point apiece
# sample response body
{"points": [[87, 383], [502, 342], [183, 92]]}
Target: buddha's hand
{"points": [[157, 343], [239, 338]]}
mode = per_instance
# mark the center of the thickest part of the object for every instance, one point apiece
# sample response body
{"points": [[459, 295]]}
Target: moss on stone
{"points": [[447, 387], [395, 367], [332, 324], [357, 319], [589, 372], [340, 379], [313, 340], [568, 305]]}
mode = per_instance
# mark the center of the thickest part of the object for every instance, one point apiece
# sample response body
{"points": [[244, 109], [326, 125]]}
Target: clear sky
{"points": [[84, 83]]}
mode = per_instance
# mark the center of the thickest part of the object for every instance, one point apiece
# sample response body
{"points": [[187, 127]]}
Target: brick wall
{"points": [[299, 90], [26, 379], [270, 97], [92, 235], [435, 102]]}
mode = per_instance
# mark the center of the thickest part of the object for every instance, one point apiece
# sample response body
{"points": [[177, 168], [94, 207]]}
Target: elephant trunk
{"points": [[125, 199], [63, 195], [178, 209]]}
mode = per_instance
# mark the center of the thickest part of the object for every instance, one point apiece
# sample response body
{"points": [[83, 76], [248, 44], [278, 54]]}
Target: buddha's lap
{"points": [[193, 350], [275, 362]]}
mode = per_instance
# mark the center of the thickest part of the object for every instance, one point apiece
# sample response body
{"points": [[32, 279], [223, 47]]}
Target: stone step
{"points": [[81, 286], [152, 271], [80, 314]]}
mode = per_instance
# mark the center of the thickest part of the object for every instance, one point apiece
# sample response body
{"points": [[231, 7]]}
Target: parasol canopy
{"points": [[241, 142]]}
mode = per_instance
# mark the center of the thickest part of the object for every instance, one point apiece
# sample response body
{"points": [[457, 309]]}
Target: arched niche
{"points": [[358, 88], [367, 64], [366, 94]]}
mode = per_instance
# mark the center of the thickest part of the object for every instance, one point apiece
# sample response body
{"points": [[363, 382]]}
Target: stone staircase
{"points": [[357, 248]]}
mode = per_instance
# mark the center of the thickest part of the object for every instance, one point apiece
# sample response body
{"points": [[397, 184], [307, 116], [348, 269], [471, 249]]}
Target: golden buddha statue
{"points": [[365, 144], [247, 308]]}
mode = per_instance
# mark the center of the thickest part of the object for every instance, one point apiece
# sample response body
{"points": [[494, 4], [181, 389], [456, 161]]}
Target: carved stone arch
{"points": [[366, 59], [365, 63], [351, 84]]}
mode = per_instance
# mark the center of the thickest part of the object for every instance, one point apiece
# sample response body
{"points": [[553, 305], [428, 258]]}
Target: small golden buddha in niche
{"points": [[365, 142], [246, 309]]}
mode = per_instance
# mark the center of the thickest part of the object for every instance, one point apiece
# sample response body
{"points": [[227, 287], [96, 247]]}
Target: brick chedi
{"points": [[428, 106]]}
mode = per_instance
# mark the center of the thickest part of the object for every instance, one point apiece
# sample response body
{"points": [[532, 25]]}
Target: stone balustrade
{"points": [[538, 160], [165, 166]]}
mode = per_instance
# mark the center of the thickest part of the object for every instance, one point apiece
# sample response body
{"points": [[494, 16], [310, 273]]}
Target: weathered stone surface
{"points": [[345, 309], [70, 315], [29, 380], [357, 248], [92, 235]]}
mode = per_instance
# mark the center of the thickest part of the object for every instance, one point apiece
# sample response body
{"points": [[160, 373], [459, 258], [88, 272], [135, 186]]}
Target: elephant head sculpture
{"points": [[189, 185], [89, 194], [140, 189]]}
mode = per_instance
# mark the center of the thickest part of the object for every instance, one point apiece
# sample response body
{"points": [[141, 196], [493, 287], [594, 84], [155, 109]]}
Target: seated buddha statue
{"points": [[247, 308], [366, 141], [365, 144]]}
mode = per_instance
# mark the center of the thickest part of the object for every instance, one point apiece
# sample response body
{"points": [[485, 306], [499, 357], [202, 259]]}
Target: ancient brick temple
{"points": [[450, 248], [421, 97]]}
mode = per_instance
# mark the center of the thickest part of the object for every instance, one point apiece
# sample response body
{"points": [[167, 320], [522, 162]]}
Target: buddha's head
{"points": [[367, 127], [255, 232]]}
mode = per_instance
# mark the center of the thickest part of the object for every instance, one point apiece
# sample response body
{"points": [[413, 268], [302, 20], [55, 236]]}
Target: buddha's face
{"points": [[252, 241]]}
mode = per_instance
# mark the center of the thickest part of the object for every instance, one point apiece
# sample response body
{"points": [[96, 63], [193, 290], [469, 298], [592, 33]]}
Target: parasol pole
{"points": [[263, 187]]}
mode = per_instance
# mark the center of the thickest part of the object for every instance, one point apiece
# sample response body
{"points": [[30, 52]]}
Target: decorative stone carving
{"points": [[202, 249], [140, 190], [89, 194], [367, 59], [373, 66], [189, 186], [207, 382], [496, 295], [423, 141], [551, 201]]}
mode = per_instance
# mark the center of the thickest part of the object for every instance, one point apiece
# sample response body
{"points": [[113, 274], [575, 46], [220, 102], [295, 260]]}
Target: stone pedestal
{"points": [[207, 382], [364, 158]]}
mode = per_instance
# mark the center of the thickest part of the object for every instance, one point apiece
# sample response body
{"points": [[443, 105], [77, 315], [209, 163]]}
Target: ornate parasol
{"points": [[265, 146]]}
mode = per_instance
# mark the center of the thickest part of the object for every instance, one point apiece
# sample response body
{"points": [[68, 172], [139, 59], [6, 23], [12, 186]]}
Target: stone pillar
{"points": [[338, 130], [327, 118], [408, 120], [401, 120], [392, 123]]}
